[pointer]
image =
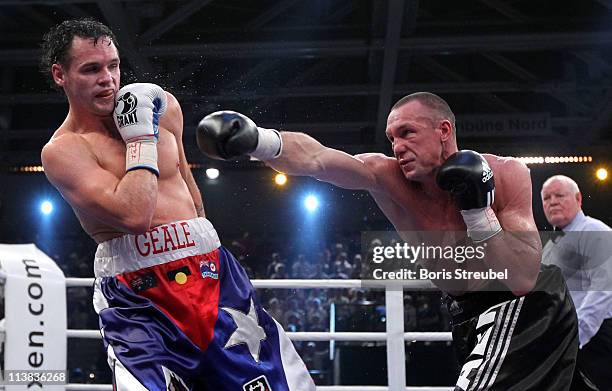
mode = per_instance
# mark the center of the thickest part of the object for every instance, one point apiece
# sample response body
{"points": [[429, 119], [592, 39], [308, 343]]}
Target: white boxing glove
{"points": [[137, 111]]}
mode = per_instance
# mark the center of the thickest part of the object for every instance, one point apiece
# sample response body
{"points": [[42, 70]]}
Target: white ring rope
{"points": [[302, 336], [317, 336], [108, 387], [304, 283]]}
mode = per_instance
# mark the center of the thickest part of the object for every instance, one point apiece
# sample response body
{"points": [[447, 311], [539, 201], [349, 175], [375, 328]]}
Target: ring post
{"points": [[396, 352]]}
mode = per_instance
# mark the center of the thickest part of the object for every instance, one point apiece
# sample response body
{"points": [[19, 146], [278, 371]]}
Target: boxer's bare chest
{"points": [[173, 195], [110, 153], [410, 208], [415, 211]]}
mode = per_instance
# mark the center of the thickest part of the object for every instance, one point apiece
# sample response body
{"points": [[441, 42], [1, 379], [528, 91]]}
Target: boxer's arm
{"points": [[173, 121], [126, 204], [303, 155], [591, 314], [518, 247], [595, 249], [227, 134]]}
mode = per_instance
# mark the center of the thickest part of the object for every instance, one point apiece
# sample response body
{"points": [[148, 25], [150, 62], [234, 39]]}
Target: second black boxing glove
{"points": [[468, 177], [227, 134]]}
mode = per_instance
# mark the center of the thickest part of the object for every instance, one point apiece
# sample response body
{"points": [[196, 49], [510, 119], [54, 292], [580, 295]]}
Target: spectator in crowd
{"points": [[356, 273], [294, 310], [317, 272], [275, 260], [299, 269], [275, 309], [279, 272], [428, 317], [315, 309], [410, 314]]}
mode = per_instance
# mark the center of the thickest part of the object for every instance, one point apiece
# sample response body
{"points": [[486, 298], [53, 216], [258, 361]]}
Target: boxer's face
{"points": [[92, 76], [415, 139], [560, 203]]}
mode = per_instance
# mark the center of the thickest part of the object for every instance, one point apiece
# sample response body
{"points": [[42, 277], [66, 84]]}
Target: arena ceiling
{"points": [[333, 68]]}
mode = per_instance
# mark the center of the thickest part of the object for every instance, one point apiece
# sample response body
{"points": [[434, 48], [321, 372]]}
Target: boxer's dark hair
{"points": [[57, 42], [430, 100]]}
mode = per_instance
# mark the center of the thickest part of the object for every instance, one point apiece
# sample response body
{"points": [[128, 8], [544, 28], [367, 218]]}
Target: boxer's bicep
{"points": [[344, 170], [189, 179], [516, 216], [173, 122], [77, 175], [303, 155]]}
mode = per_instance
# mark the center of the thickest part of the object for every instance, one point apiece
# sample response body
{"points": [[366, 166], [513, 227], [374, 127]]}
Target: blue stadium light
{"points": [[46, 207], [311, 203]]}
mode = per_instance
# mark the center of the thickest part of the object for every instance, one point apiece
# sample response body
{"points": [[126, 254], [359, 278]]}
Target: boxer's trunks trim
{"points": [[292, 363], [500, 321], [509, 311], [123, 380], [161, 244], [526, 343]]}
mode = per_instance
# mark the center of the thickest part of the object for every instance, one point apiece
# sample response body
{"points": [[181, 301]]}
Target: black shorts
{"points": [[594, 359], [523, 343]]}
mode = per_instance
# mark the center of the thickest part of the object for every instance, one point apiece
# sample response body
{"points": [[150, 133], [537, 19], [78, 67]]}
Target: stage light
{"points": [[554, 159], [311, 203], [280, 179], [46, 207], [212, 173], [601, 174]]}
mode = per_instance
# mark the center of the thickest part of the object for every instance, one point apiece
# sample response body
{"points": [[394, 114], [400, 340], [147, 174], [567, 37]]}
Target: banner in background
{"points": [[35, 319], [503, 125]]}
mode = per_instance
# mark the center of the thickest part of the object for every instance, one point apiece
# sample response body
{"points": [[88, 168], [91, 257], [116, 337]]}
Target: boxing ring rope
{"points": [[394, 302], [108, 387], [317, 336], [299, 283]]}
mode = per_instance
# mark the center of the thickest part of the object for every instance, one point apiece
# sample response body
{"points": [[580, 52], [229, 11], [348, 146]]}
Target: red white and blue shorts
{"points": [[178, 312]]}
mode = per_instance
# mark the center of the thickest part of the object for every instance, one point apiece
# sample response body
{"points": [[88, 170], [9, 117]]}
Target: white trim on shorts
{"points": [[496, 346], [159, 245], [294, 369]]}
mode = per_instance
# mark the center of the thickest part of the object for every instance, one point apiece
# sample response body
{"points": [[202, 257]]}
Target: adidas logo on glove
{"points": [[487, 173]]}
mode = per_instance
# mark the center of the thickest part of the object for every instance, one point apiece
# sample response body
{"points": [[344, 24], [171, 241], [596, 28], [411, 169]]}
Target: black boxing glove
{"points": [[469, 179], [227, 134]]}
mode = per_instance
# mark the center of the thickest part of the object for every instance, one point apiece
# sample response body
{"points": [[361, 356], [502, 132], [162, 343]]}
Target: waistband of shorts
{"points": [[469, 305], [161, 244]]}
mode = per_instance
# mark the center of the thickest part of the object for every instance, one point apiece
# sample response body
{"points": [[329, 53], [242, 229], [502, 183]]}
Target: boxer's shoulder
{"points": [[506, 168], [172, 120], [64, 144], [375, 160], [512, 180], [385, 168], [65, 153], [505, 163]]}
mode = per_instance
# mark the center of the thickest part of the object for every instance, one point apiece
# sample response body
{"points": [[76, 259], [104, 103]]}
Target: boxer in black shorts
{"points": [[429, 185], [516, 343]]}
